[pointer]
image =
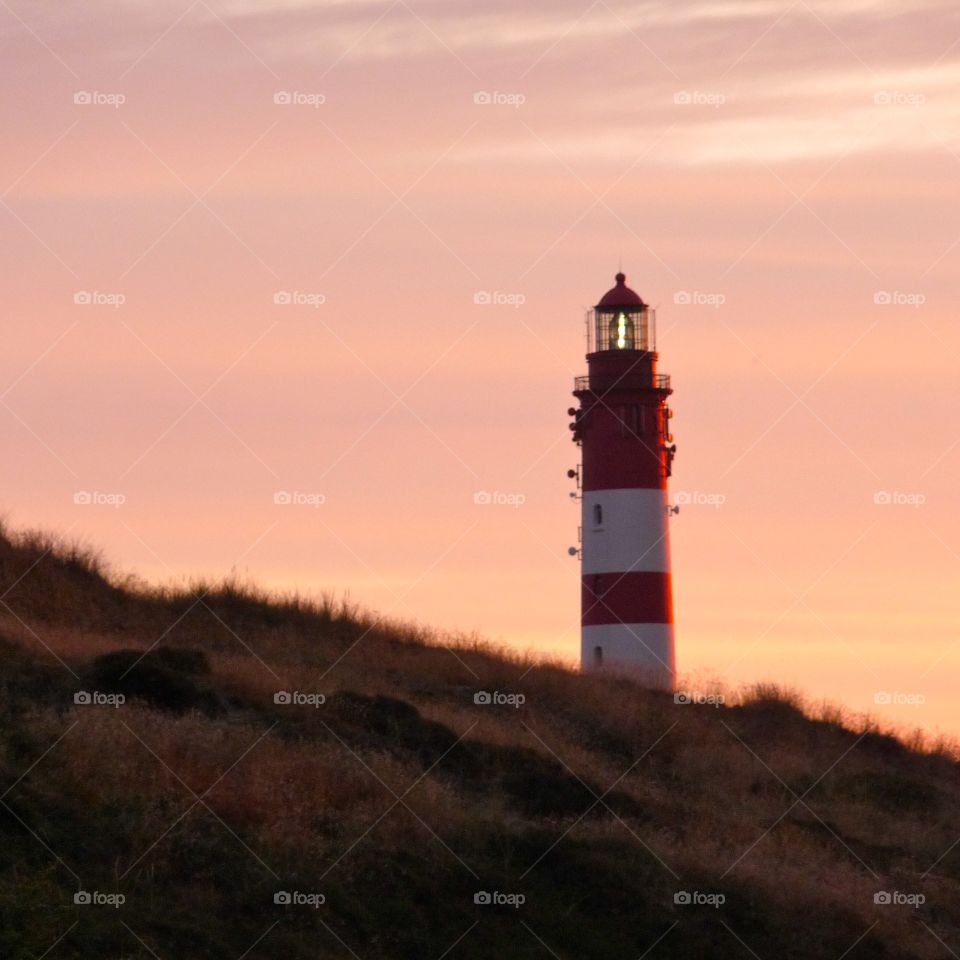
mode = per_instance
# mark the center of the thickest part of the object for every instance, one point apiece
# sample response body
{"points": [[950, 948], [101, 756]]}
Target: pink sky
{"points": [[798, 161]]}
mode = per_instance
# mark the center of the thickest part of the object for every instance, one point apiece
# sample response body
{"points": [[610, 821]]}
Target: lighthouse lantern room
{"points": [[623, 426]]}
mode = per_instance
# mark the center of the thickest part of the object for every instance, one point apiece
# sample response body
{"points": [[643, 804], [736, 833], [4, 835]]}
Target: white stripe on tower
{"points": [[642, 648], [631, 533]]}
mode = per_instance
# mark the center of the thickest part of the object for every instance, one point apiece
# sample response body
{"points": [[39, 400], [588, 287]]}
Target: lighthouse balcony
{"points": [[659, 381]]}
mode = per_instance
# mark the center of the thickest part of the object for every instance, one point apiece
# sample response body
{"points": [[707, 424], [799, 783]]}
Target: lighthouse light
{"points": [[621, 331]]}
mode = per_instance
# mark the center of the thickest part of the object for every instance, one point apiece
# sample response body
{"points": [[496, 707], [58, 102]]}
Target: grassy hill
{"points": [[384, 813]]}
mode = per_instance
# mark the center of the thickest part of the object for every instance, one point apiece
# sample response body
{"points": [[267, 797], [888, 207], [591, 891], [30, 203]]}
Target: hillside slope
{"points": [[299, 780]]}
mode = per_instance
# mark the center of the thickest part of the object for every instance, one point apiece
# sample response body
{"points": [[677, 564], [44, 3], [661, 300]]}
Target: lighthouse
{"points": [[622, 425]]}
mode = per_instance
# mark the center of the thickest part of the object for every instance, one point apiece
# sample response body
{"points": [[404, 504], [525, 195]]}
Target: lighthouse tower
{"points": [[623, 426]]}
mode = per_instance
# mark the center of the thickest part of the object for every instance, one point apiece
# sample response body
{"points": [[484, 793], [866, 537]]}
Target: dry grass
{"points": [[796, 810]]}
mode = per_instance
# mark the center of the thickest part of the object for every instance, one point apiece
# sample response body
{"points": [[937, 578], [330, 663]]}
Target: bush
{"points": [[163, 678]]}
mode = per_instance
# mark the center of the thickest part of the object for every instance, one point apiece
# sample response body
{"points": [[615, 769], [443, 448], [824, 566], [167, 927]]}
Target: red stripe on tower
{"points": [[623, 426]]}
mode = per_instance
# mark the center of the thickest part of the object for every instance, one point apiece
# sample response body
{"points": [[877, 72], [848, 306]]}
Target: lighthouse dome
{"points": [[621, 296]]}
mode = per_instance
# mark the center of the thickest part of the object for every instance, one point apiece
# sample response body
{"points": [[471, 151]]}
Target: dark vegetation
{"points": [[202, 795]]}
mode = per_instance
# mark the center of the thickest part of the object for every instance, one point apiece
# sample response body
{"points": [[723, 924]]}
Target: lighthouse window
{"points": [[630, 420], [597, 515], [598, 656], [598, 586]]}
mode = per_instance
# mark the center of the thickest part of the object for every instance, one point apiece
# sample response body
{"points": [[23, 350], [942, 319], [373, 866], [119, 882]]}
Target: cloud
{"points": [[799, 116], [400, 30]]}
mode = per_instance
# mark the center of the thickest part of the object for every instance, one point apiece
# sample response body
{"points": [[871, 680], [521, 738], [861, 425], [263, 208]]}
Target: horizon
{"points": [[344, 253]]}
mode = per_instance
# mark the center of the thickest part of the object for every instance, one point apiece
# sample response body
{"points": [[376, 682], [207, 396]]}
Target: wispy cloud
{"points": [[303, 27]]}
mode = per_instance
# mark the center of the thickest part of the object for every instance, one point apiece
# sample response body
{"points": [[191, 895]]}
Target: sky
{"points": [[287, 284]]}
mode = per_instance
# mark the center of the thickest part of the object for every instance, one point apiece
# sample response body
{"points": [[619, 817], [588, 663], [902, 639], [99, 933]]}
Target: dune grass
{"points": [[390, 791]]}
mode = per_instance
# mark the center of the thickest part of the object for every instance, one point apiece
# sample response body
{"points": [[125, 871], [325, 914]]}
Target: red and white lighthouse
{"points": [[623, 426]]}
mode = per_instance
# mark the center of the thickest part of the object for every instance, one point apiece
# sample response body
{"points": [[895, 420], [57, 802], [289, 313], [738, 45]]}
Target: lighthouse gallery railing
{"points": [[661, 381]]}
